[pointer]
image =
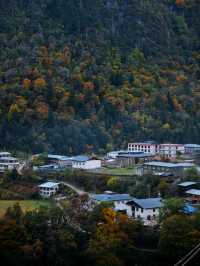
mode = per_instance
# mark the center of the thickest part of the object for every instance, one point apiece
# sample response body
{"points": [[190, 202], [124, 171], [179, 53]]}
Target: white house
{"points": [[119, 201], [85, 162], [8, 163], [146, 209], [48, 189]]}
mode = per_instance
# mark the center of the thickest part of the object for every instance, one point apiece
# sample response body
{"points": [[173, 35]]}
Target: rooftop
{"points": [[189, 209], [81, 158], [150, 203], [192, 146], [169, 165], [195, 192], [111, 197], [134, 155], [59, 157], [48, 185], [186, 184]]}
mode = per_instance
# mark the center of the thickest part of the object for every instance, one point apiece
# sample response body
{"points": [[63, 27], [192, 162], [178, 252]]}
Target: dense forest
{"points": [[90, 75]]}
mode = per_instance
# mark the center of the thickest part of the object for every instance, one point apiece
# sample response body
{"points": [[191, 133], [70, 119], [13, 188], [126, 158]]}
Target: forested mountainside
{"points": [[89, 75]]}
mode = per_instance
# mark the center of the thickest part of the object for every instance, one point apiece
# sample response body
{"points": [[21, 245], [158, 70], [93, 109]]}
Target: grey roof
{"points": [[186, 184], [59, 157], [150, 203], [4, 153], [48, 185], [195, 192], [81, 158], [111, 197], [169, 165], [134, 155]]}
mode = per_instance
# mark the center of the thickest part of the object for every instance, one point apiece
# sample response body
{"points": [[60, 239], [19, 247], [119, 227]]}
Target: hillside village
{"points": [[171, 163]]}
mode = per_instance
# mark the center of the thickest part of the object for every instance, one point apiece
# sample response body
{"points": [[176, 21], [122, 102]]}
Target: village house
{"points": [[48, 189], [184, 186], [85, 163], [126, 159], [8, 163], [156, 167], [119, 201], [146, 209], [193, 196], [62, 161]]}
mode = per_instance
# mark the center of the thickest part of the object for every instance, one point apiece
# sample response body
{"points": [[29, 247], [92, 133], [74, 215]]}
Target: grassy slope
{"points": [[26, 205]]}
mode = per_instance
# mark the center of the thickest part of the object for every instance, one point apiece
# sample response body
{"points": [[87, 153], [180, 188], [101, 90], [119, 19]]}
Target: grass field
{"points": [[117, 171], [26, 205]]}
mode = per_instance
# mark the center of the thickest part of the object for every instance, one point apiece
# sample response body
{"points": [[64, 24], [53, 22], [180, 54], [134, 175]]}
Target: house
{"points": [[193, 195], [114, 154], [169, 151], [125, 159], [62, 161], [184, 186], [192, 149], [146, 209], [7, 162], [119, 201], [46, 168], [155, 167], [48, 189], [86, 163]]}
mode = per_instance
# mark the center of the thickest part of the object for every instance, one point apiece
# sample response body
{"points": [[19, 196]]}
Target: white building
{"points": [[192, 149], [119, 201], [85, 163], [164, 150], [150, 148], [8, 163], [171, 150], [48, 189], [146, 209]]}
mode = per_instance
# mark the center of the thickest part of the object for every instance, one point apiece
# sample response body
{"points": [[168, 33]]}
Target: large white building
{"points": [[8, 163], [85, 163], [163, 150], [48, 189], [146, 209]]}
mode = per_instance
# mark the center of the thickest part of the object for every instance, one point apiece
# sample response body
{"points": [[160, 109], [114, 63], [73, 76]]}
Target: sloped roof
{"points": [[48, 185], [111, 197], [150, 203], [81, 158], [169, 165], [195, 192], [186, 184]]}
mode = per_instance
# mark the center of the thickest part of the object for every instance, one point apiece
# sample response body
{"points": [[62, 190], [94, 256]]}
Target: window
{"points": [[149, 217], [142, 210], [154, 210]]}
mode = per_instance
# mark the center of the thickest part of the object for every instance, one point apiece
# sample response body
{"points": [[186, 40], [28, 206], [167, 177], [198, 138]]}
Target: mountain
{"points": [[90, 75]]}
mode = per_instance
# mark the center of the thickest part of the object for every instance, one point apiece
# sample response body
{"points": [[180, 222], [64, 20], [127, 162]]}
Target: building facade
{"points": [[85, 163], [48, 189], [8, 163]]}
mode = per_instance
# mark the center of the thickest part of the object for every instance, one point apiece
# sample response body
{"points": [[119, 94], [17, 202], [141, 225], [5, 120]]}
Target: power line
{"points": [[188, 256]]}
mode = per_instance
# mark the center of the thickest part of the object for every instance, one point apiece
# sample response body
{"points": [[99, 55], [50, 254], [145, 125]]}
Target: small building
{"points": [[164, 167], [5, 154], [62, 161], [119, 201], [48, 189], [114, 154], [85, 162], [146, 209], [8, 163], [46, 168], [125, 159], [193, 196], [184, 186], [192, 149]]}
